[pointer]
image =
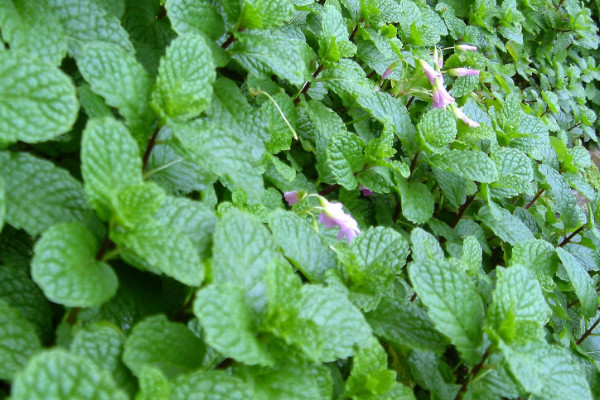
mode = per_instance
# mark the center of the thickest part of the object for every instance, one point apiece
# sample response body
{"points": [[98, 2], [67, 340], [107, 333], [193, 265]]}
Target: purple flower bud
{"points": [[441, 97], [431, 73], [463, 72], [291, 197], [438, 58], [388, 71], [465, 47], [365, 190], [463, 117], [334, 215]]}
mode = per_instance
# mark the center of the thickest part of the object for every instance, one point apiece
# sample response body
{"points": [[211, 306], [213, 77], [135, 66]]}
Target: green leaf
{"points": [[519, 311], [344, 157], [333, 313], [281, 133], [405, 324], [585, 286], [135, 203], [514, 169], [169, 346], [472, 256], [153, 384], [433, 374], [38, 194], [110, 162], [31, 27], [417, 201], [222, 152], [508, 227], [438, 129], [425, 246], [510, 113], [471, 164], [115, 74], [186, 73], [59, 375], [86, 21], [191, 16], [388, 109], [560, 192], [229, 323], [536, 138], [333, 30], [302, 245], [453, 304], [38, 100], [538, 256], [370, 376], [65, 268], [211, 385], [548, 371], [18, 291], [265, 52], [164, 248], [93, 104], [191, 217], [243, 247], [18, 341], [464, 85]]}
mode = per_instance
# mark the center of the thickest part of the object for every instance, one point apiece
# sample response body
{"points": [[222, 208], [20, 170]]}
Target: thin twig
{"points": [[462, 210], [410, 101], [571, 236], [230, 39], [473, 374], [574, 126], [537, 196], [149, 147], [413, 297], [588, 332], [104, 247], [413, 163], [307, 84], [329, 189]]}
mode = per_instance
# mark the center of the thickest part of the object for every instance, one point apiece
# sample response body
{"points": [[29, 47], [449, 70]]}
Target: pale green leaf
{"points": [[584, 284], [471, 164], [508, 227], [211, 385], [198, 17], [344, 157], [437, 128], [417, 201]]}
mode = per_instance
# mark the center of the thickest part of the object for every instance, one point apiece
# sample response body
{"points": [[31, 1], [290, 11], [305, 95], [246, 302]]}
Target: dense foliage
{"points": [[299, 200]]}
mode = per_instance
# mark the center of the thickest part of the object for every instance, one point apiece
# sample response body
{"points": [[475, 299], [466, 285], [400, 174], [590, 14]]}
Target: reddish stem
{"points": [[571, 236], [151, 144], [537, 196]]}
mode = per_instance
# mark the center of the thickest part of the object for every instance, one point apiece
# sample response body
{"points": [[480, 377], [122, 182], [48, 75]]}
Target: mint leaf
{"points": [[417, 201], [508, 227], [18, 341], [169, 346], [115, 74], [425, 246], [519, 310], [344, 157], [438, 129], [453, 304], [332, 312], [164, 248], [212, 385], [405, 324], [302, 245], [135, 203], [538, 256], [370, 376], [381, 247], [585, 286], [65, 268], [62, 376], [471, 164], [190, 16], [514, 169], [560, 192], [32, 27], [388, 109], [39, 194], [472, 255], [185, 75], [38, 100], [243, 248], [153, 384], [110, 161], [86, 21], [229, 324]]}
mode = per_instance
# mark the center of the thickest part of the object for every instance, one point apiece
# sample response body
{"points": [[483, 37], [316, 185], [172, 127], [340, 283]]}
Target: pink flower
{"points": [[334, 215], [431, 73], [441, 97], [462, 116], [465, 47], [365, 190], [463, 72], [291, 197], [438, 58]]}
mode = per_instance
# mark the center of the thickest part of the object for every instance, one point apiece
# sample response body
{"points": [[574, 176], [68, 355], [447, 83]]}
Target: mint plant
{"points": [[299, 199]]}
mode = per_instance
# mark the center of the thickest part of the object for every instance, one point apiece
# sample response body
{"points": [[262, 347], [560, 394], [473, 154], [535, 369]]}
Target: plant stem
{"points": [[574, 126], [571, 236], [410, 101], [537, 196], [104, 247], [462, 210], [476, 369], [413, 297], [230, 39], [588, 332], [413, 163], [329, 189], [307, 84], [149, 147]]}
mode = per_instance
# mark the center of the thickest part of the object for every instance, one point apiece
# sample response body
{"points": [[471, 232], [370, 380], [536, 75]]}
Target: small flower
{"points": [[465, 47], [438, 58], [462, 116], [463, 72], [292, 197], [334, 215], [431, 73], [365, 190], [441, 97]]}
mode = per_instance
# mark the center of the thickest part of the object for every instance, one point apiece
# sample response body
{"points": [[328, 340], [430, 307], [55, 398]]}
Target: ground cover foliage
{"points": [[290, 199]]}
